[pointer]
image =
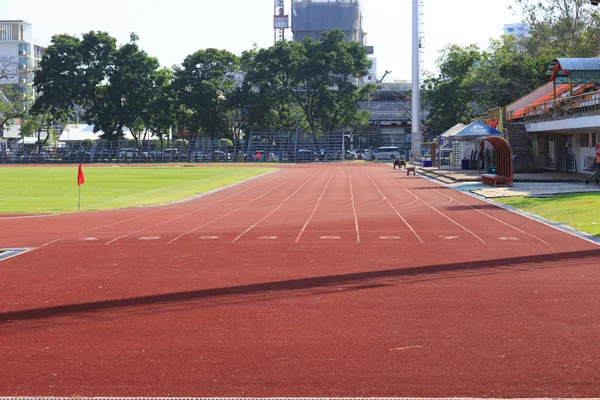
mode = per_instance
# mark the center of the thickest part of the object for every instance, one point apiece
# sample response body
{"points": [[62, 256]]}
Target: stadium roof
{"points": [[574, 70]]}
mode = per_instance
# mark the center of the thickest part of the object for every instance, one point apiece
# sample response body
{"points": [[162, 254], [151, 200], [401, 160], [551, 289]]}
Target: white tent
{"points": [[452, 131], [80, 132]]}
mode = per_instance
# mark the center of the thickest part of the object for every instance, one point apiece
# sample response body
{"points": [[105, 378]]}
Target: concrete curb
{"points": [[561, 227]]}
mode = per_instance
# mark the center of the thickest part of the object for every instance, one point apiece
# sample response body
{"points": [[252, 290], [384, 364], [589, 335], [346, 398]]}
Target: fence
{"points": [[287, 147]]}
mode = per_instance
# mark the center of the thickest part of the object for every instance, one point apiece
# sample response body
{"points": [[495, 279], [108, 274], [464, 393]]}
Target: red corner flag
{"points": [[80, 178]]}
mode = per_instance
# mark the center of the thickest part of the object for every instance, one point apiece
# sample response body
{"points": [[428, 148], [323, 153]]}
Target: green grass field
{"points": [[38, 190], [579, 211]]}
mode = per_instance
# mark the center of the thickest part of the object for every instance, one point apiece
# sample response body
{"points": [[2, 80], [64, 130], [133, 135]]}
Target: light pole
{"points": [[416, 106]]}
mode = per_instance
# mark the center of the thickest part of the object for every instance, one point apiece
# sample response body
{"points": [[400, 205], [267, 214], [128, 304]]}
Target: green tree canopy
{"points": [[450, 95], [313, 82], [114, 85], [560, 28], [203, 84], [506, 73]]}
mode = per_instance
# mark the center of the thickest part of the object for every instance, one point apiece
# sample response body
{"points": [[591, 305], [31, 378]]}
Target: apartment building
{"points": [[311, 17], [19, 57]]}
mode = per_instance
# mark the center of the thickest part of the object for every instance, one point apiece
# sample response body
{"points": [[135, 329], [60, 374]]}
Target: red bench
{"points": [[495, 180]]}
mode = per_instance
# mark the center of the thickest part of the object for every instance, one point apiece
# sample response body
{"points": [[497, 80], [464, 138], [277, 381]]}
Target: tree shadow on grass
{"points": [[320, 285]]}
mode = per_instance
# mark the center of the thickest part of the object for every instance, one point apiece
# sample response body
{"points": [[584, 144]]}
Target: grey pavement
{"points": [[542, 184]]}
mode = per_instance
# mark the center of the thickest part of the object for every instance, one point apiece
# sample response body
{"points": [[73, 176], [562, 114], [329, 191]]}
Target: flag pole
{"points": [[80, 181]]}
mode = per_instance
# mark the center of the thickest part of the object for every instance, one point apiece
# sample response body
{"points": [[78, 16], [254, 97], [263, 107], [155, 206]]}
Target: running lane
{"points": [[333, 216]]}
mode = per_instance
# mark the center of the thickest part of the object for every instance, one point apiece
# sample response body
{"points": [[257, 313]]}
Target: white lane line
{"points": [[157, 211], [330, 237], [314, 209], [208, 237], [496, 219], [354, 208], [268, 237], [232, 211], [30, 216], [449, 237], [183, 215], [89, 239], [508, 238], [393, 208], [149, 238], [439, 212], [390, 237], [275, 210]]}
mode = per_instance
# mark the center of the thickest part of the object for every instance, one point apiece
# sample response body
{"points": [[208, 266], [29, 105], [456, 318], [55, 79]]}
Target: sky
{"points": [[171, 30]]}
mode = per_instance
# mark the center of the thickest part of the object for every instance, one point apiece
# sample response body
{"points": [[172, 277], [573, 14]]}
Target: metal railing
{"points": [[258, 147], [567, 107]]}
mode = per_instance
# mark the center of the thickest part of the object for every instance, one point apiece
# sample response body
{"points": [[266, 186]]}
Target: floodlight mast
{"points": [[416, 104], [281, 21]]}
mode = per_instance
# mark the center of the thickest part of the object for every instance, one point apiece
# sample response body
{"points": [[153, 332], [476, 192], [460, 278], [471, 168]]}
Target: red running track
{"points": [[320, 280]]}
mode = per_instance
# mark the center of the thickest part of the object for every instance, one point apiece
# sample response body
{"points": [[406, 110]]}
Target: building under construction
{"points": [[311, 17]]}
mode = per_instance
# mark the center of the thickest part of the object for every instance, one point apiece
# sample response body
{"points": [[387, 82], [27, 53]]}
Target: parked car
{"points": [[351, 155], [329, 155], [170, 155], [364, 154], [386, 153], [34, 157], [305, 155], [78, 156], [133, 154]]}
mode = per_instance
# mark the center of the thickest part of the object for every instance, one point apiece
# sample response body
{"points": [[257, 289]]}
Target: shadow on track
{"points": [[342, 282]]}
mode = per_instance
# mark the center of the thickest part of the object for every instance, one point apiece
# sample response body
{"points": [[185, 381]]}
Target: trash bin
{"points": [[464, 163], [491, 169], [427, 163]]}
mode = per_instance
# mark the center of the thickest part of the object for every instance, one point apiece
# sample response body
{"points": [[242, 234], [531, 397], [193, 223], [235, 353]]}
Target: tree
{"points": [[203, 84], [161, 115], [15, 98], [450, 94], [74, 71], [270, 97], [327, 90], [313, 82], [116, 87], [561, 28], [135, 85], [506, 73]]}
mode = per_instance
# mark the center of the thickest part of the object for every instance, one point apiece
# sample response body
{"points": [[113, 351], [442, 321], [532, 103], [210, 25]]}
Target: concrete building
{"points": [[19, 57], [311, 17], [17, 45], [372, 77], [390, 119], [557, 126], [519, 30]]}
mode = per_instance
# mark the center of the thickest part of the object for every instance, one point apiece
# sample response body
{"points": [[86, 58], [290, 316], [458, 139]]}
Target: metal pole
{"points": [[79, 198], [416, 108], [296, 146]]}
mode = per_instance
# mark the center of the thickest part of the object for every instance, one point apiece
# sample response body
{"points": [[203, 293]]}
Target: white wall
{"points": [[588, 122], [582, 152], [11, 131], [27, 33]]}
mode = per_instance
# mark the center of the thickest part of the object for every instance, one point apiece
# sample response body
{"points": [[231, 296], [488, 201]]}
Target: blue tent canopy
{"points": [[476, 130]]}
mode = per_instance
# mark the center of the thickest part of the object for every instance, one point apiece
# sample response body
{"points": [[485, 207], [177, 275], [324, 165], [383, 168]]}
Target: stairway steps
{"points": [[522, 146]]}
